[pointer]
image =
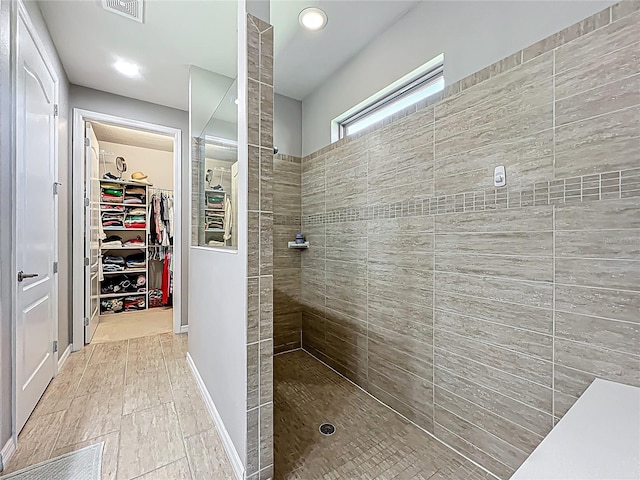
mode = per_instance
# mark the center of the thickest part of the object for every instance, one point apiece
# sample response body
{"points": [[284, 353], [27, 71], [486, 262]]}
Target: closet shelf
{"points": [[123, 294], [214, 230], [141, 247], [121, 204], [221, 210], [125, 272], [208, 190], [124, 182], [124, 229]]}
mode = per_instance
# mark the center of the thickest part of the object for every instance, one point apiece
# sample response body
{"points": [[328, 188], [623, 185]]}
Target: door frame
{"points": [[80, 116], [21, 13]]}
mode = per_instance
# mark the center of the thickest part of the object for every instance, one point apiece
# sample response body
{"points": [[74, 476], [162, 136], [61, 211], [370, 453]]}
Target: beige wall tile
{"points": [[492, 423], [523, 341], [603, 363], [469, 449], [620, 274], [600, 144], [518, 388], [529, 418], [616, 304], [520, 316], [608, 98], [599, 332]]}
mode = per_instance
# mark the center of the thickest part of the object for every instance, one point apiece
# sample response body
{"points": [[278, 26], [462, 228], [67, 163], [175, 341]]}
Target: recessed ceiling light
{"points": [[313, 18], [236, 101], [127, 68]]}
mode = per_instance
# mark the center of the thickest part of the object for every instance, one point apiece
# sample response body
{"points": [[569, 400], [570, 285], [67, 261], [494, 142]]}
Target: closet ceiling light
{"points": [[313, 19], [127, 69]]}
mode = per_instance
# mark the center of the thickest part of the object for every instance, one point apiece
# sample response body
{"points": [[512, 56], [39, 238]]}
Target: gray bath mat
{"points": [[83, 464]]}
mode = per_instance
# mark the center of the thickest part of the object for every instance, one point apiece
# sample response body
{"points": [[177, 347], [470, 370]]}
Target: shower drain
{"points": [[327, 429]]}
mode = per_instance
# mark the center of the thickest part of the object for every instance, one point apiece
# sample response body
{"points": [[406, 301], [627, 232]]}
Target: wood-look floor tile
{"points": [[192, 411], [207, 457], [179, 374], [102, 378], [144, 355], [146, 390], [36, 441], [90, 416], [174, 471], [109, 453], [149, 439], [63, 387]]}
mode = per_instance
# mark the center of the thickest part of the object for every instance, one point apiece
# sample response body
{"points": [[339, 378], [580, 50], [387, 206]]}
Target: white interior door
{"points": [[92, 234], [36, 229]]}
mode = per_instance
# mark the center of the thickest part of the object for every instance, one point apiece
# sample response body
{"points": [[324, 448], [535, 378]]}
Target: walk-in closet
{"points": [[130, 231]]}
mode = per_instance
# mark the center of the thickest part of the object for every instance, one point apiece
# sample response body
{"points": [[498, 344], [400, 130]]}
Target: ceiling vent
{"points": [[132, 9]]}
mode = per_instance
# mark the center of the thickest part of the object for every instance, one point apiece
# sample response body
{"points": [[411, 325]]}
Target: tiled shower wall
{"points": [[259, 461], [483, 314], [287, 263]]}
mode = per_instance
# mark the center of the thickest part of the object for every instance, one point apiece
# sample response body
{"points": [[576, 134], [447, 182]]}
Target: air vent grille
{"points": [[132, 9]]}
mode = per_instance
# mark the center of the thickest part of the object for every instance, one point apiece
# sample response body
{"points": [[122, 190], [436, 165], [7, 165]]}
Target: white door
{"points": [[36, 229], [92, 234]]}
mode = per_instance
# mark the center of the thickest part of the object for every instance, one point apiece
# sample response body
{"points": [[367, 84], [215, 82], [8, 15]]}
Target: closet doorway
{"points": [[128, 231]]}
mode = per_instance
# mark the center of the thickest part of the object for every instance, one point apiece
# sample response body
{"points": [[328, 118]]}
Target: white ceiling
{"points": [[303, 60], [179, 33], [132, 137], [175, 34]]}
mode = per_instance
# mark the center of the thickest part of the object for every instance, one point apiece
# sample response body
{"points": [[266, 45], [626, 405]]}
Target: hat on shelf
{"points": [[139, 177]]}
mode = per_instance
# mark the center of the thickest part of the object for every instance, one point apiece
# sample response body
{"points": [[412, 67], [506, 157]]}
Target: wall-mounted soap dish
{"points": [[298, 245]]}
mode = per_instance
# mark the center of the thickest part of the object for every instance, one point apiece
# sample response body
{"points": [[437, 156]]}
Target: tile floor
{"points": [[371, 441], [123, 326], [139, 397]]}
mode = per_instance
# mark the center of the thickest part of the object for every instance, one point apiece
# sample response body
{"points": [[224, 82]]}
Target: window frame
{"points": [[425, 75]]}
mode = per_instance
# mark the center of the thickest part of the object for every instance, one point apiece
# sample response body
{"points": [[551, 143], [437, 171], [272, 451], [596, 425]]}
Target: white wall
{"points": [[471, 34], [157, 164], [8, 15], [218, 286], [287, 125], [102, 102]]}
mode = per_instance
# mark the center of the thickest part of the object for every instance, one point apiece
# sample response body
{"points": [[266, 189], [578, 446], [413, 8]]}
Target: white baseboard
{"points": [[184, 328], [64, 356], [7, 452], [232, 453]]}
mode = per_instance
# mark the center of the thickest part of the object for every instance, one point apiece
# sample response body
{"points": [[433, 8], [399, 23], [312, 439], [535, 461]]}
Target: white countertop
{"points": [[597, 439]]}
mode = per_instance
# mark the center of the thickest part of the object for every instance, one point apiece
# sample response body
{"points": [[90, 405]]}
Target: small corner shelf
{"points": [[298, 246]]}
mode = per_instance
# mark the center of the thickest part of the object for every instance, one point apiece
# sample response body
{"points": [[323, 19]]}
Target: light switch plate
{"points": [[499, 176]]}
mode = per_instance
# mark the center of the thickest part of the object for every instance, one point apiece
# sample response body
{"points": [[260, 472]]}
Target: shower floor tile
{"points": [[371, 441]]}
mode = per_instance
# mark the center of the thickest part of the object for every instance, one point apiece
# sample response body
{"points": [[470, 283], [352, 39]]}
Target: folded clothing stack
{"points": [[135, 221], [112, 219], [113, 208], [135, 196], [215, 200], [112, 193], [112, 263], [136, 261], [112, 241], [213, 221], [134, 242]]}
